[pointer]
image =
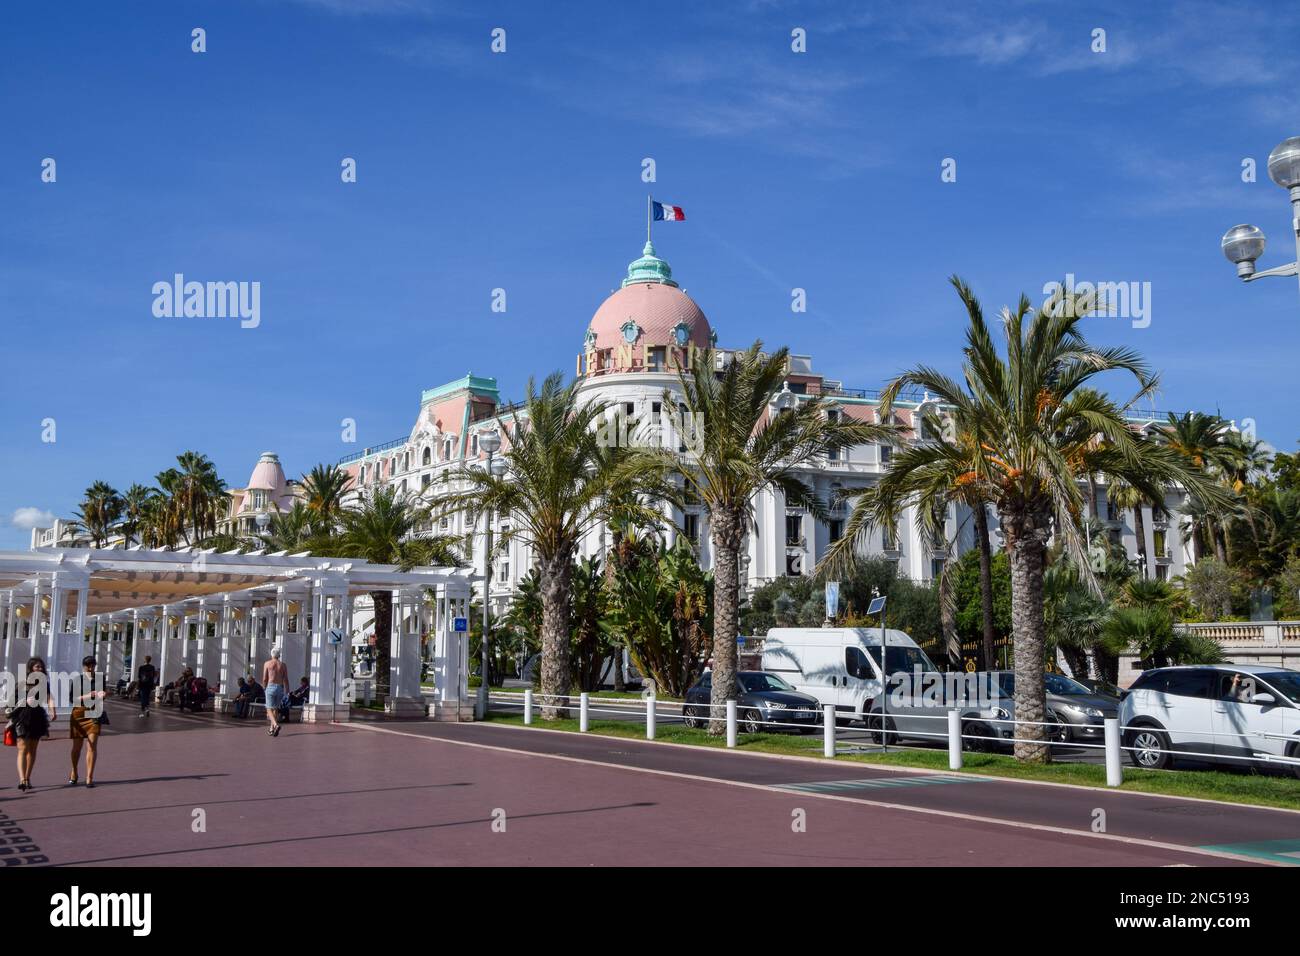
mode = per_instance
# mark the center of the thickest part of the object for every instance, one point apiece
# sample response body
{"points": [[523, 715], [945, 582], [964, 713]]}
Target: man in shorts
{"points": [[275, 677]]}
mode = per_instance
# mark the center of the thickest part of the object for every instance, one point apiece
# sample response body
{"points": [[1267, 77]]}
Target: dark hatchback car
{"points": [[764, 703], [1078, 714]]}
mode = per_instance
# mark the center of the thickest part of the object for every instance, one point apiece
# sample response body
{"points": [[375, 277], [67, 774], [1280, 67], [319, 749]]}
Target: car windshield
{"points": [[1060, 684], [1286, 683], [905, 659], [761, 682]]}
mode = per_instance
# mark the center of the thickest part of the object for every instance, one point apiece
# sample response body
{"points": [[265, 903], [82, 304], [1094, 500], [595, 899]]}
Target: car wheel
{"points": [[889, 735], [1294, 753], [751, 722], [972, 737], [1149, 748], [690, 717], [1057, 734]]}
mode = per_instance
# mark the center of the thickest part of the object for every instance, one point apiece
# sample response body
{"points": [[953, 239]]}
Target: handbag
{"points": [[11, 738], [102, 719]]}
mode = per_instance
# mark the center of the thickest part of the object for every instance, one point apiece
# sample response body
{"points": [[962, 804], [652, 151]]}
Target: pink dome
{"points": [[657, 310], [649, 309], [268, 475]]}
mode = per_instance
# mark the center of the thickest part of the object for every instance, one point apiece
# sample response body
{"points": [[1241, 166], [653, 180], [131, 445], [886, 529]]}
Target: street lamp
{"points": [[489, 442], [1243, 244]]}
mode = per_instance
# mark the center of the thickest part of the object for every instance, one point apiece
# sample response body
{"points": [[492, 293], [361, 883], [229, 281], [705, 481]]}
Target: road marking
{"points": [[895, 769], [1283, 852], [828, 786], [928, 811]]}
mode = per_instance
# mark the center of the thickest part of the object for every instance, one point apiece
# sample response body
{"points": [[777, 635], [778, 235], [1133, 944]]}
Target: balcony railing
{"points": [[373, 450]]}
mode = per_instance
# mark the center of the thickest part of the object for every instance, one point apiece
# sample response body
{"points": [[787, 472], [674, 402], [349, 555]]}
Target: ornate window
{"points": [[681, 333], [631, 331], [427, 458]]}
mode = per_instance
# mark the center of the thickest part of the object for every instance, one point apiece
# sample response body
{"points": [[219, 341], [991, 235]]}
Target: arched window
{"points": [[428, 456], [363, 474]]}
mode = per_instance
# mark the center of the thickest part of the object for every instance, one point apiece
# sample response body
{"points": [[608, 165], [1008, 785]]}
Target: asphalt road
{"points": [[205, 791]]}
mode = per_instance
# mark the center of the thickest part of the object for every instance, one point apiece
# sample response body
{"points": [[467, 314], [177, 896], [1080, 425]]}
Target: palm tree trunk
{"points": [[1027, 530], [383, 601], [948, 620], [557, 596], [1140, 529], [986, 582], [1219, 532], [726, 532]]}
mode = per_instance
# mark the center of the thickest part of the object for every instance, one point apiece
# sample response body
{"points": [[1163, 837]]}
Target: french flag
{"points": [[668, 213]]}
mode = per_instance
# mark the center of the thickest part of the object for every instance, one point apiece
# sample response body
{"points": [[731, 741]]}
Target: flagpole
{"points": [[649, 215]]}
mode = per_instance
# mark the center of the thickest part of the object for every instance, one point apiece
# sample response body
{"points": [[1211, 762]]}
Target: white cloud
{"points": [[29, 518]]}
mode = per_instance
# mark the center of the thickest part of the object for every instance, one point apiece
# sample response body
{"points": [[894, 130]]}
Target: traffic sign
{"points": [[460, 624]]}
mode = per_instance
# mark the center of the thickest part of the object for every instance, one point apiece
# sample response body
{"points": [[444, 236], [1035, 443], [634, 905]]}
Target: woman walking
{"points": [[84, 727], [31, 719]]}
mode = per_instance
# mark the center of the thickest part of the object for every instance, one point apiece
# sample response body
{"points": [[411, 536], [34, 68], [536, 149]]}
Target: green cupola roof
{"points": [[649, 268]]}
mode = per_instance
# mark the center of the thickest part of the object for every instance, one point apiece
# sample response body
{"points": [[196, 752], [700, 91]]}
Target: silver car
{"points": [[918, 704]]}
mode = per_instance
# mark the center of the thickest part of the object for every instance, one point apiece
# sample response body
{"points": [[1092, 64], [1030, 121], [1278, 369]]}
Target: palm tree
{"points": [[324, 487], [201, 493], [1126, 497], [289, 530], [944, 463], [99, 509], [164, 516], [1038, 421], [746, 447], [561, 477], [1203, 442], [136, 504]]}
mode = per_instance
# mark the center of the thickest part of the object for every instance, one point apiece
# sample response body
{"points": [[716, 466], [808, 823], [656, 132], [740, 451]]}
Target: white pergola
{"points": [[65, 603]]}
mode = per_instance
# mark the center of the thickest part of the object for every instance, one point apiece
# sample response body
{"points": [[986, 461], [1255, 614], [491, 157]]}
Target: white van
{"points": [[840, 665]]}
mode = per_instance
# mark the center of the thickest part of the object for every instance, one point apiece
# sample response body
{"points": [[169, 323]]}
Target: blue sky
{"points": [[522, 171]]}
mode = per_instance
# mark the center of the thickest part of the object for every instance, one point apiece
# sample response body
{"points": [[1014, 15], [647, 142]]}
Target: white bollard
{"points": [[731, 723], [1114, 769], [954, 740], [583, 713], [650, 717], [828, 730], [528, 706]]}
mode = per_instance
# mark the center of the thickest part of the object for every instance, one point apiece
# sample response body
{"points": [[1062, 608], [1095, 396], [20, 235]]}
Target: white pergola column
{"points": [[101, 641], [260, 637], [170, 650], [115, 653], [5, 604], [330, 663], [190, 648], [64, 648], [145, 643], [208, 652], [20, 636], [451, 652], [237, 621], [404, 694], [293, 643]]}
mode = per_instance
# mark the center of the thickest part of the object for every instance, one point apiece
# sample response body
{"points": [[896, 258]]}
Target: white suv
{"points": [[1220, 712]]}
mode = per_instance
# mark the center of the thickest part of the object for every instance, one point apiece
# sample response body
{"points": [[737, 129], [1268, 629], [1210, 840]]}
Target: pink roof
{"points": [[657, 308], [268, 475]]}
